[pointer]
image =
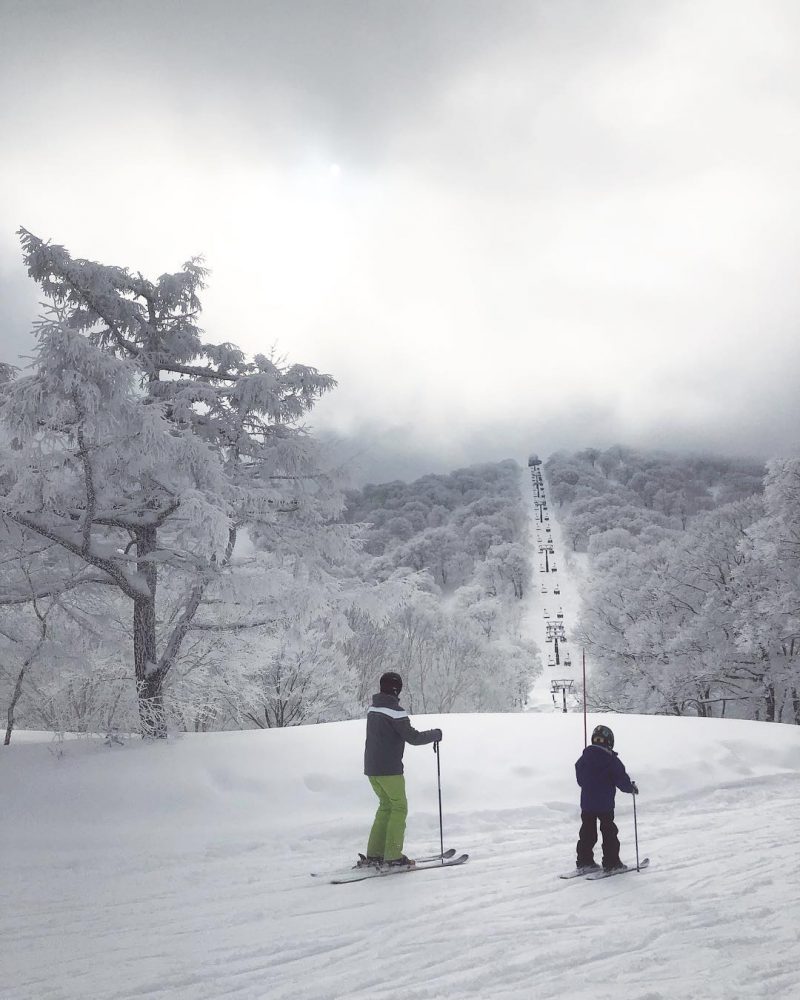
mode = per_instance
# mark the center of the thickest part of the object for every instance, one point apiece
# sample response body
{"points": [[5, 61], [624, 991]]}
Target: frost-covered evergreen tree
{"points": [[141, 450]]}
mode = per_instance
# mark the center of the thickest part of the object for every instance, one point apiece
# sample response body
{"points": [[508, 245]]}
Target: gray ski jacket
{"points": [[388, 731]]}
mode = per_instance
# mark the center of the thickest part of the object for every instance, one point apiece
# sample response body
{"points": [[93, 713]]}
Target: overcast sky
{"points": [[501, 226]]}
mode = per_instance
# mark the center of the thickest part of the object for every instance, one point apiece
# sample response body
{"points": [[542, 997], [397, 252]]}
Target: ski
{"points": [[359, 874], [578, 872], [356, 868], [619, 871]]}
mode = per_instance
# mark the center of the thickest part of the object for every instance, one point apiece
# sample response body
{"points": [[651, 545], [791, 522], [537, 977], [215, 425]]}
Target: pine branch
{"points": [[129, 585], [8, 600], [236, 627], [190, 610]]}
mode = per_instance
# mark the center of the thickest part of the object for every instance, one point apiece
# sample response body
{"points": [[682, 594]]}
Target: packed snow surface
{"points": [[181, 869]]}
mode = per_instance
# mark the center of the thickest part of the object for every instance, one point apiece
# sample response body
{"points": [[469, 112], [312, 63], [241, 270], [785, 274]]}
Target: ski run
{"points": [[182, 869]]}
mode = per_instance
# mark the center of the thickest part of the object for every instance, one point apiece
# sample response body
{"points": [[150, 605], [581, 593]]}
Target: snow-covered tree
{"points": [[142, 450]]}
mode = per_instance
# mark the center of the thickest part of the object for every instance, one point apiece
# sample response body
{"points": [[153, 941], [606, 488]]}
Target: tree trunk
{"points": [[769, 701], [13, 705], [148, 677], [21, 676]]}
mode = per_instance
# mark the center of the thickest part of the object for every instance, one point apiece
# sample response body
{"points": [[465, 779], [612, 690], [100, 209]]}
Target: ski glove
{"points": [[635, 788], [437, 735]]}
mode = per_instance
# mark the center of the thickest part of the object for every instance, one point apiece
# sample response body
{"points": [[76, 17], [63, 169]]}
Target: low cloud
{"points": [[547, 226]]}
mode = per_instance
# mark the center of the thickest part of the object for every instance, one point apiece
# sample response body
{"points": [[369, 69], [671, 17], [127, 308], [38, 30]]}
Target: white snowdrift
{"points": [[181, 869]]}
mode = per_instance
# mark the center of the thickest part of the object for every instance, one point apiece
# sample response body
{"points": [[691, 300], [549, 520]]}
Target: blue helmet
{"points": [[603, 737]]}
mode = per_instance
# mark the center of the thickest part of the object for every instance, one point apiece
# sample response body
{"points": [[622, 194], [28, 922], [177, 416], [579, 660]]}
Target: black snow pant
{"points": [[588, 838]]}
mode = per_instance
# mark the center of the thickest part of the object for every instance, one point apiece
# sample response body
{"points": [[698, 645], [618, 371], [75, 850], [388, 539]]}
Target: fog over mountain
{"points": [[499, 225]]}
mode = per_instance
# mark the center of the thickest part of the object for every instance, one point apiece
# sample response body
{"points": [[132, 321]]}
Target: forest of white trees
{"points": [[178, 551], [692, 594], [461, 539]]}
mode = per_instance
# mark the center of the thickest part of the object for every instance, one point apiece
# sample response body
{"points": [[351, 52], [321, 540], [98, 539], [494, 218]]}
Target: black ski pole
{"points": [[439, 782], [636, 833]]}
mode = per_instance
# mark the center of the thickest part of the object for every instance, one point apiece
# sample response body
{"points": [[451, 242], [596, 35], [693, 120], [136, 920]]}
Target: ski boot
{"points": [[368, 861], [401, 862]]}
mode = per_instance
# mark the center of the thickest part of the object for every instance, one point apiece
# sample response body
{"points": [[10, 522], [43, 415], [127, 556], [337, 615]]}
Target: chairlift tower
{"points": [[563, 686]]}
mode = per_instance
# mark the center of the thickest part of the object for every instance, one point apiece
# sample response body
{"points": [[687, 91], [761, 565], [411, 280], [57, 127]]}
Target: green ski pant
{"points": [[389, 827]]}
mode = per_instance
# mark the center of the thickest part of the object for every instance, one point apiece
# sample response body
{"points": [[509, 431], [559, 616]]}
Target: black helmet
{"points": [[603, 737], [391, 683]]}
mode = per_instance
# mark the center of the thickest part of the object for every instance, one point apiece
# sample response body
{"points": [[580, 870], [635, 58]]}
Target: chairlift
{"points": [[546, 613], [567, 660], [560, 613], [556, 589]]}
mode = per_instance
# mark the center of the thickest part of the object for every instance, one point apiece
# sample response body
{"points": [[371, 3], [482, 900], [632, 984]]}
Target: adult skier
{"points": [[388, 730], [600, 773]]}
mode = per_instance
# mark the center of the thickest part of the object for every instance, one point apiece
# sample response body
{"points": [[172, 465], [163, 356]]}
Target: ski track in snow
{"points": [[236, 915]]}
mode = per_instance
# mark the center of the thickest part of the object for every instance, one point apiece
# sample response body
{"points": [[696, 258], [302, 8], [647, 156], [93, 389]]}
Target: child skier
{"points": [[600, 773], [388, 731]]}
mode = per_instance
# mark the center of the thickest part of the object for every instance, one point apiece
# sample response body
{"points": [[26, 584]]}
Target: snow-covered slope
{"points": [[180, 870]]}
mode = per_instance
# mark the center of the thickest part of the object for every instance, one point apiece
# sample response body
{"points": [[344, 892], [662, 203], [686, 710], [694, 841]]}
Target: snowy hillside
{"points": [[180, 869]]}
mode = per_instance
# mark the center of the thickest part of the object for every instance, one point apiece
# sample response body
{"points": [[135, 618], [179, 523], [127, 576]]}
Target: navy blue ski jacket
{"points": [[600, 773]]}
